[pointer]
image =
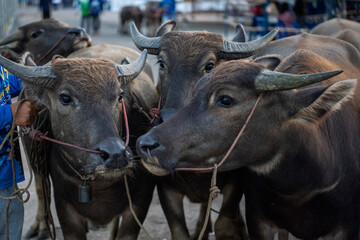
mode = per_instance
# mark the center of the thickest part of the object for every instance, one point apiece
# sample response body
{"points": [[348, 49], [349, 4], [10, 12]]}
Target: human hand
{"points": [[26, 113]]}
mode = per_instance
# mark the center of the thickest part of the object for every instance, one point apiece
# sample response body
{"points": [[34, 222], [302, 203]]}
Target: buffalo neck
{"points": [[316, 157]]}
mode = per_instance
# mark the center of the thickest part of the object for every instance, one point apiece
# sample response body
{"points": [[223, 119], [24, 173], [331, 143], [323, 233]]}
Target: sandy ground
{"points": [[155, 222]]}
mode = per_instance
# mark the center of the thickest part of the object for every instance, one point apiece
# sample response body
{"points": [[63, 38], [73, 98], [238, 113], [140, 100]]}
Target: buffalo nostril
{"points": [[104, 155], [146, 148]]}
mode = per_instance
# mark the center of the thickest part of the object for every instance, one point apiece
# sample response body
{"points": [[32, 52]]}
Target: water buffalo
{"points": [[298, 155], [184, 57], [44, 39], [343, 29], [85, 111], [127, 14]]}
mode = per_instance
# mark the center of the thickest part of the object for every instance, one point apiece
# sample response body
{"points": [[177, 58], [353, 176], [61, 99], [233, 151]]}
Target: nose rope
{"points": [[154, 112], [37, 135], [126, 124], [52, 48]]}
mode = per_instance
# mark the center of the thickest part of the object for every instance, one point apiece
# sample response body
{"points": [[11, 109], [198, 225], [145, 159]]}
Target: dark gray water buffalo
{"points": [[343, 29], [298, 155], [44, 39], [85, 111], [183, 58]]}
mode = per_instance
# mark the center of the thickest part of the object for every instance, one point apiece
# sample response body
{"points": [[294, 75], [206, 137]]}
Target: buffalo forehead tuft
{"points": [[235, 72], [92, 76], [194, 43]]}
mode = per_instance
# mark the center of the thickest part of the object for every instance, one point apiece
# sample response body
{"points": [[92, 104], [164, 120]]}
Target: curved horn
{"points": [[16, 36], [235, 50], [130, 71], [142, 42], [41, 76], [272, 81]]}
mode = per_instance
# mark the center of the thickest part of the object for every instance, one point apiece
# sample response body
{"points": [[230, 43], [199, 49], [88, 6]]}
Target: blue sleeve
{"points": [[6, 116], [15, 85]]}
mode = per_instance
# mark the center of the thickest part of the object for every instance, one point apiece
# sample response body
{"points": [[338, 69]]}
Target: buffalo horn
{"points": [[273, 81], [16, 36], [235, 50], [128, 72], [41, 76], [142, 42]]}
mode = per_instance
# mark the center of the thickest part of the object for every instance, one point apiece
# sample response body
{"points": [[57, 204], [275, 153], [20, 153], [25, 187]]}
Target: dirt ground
{"points": [[155, 222]]}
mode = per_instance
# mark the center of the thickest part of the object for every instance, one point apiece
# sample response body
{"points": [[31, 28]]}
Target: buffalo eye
{"points": [[209, 66], [36, 34], [65, 99], [161, 65], [225, 101]]}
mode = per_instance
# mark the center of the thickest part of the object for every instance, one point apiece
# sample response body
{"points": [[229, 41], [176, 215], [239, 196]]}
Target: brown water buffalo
{"points": [[127, 14], [298, 156], [44, 39], [183, 58], [343, 29], [85, 111]]}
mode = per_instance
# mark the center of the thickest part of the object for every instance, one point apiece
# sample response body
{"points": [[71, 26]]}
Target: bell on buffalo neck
{"points": [[84, 190]]}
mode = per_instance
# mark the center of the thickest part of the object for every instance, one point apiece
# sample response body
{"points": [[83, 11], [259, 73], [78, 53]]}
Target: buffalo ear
{"points": [[28, 59], [166, 27], [270, 61], [240, 35], [312, 104]]}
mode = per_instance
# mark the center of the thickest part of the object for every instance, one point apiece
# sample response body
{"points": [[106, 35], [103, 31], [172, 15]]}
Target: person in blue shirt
{"points": [[168, 10], [10, 86]]}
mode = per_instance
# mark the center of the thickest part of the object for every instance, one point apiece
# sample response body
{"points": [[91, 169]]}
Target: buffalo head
{"points": [[186, 56], [40, 37], [82, 96], [200, 134]]}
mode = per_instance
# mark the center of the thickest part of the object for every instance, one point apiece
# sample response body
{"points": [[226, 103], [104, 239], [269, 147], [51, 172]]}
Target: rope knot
{"points": [[154, 113], [214, 192], [36, 135]]}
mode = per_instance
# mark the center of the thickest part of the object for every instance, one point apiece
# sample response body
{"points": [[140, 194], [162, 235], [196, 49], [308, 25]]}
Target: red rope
{"points": [[126, 124], [154, 112], [36, 135], [51, 49]]}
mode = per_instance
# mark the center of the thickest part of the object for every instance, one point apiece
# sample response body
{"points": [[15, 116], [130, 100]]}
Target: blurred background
{"points": [[258, 16], [218, 16]]}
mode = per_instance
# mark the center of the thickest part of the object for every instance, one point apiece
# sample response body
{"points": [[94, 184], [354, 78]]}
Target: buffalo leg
{"points": [[283, 235], [230, 223], [172, 203], [114, 226], [129, 228], [39, 227], [73, 225]]}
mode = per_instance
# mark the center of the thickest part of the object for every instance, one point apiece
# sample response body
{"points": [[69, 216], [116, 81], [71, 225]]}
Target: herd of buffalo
{"points": [[280, 118]]}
